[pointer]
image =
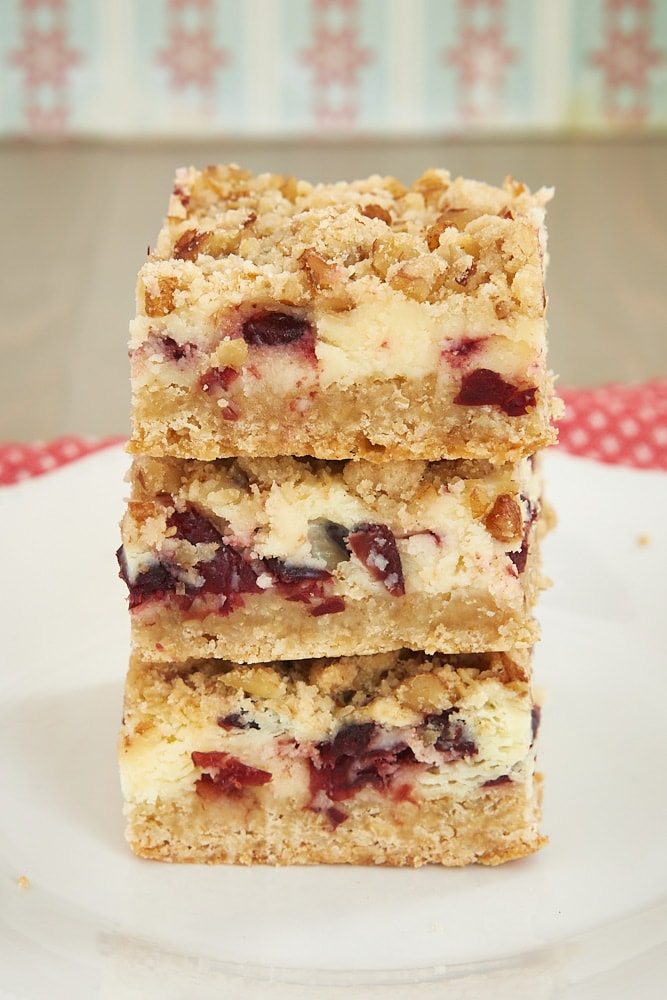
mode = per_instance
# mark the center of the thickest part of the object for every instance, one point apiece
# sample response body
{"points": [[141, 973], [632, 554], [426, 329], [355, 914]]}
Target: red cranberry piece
{"points": [[451, 739], [151, 582], [349, 762], [176, 352], [181, 195], [348, 742], [274, 329], [329, 606], [237, 720], [230, 412], [460, 351], [194, 528], [217, 380], [375, 546], [503, 779], [226, 775], [535, 719], [287, 573], [306, 584], [336, 816], [227, 572], [338, 535], [520, 558], [483, 387]]}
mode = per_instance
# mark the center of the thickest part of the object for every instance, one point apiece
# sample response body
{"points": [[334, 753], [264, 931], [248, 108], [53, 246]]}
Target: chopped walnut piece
{"points": [[188, 245], [144, 727], [322, 275], [332, 676], [504, 521], [162, 303], [419, 278], [423, 693], [515, 188], [432, 185], [376, 212], [513, 669], [465, 276], [392, 248], [257, 681], [444, 221], [478, 500], [211, 185], [230, 353], [193, 242], [289, 188]]}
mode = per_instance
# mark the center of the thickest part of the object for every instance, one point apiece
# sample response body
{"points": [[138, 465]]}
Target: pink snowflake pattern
{"points": [[190, 55], [45, 59], [41, 6], [481, 58], [623, 6], [335, 59], [625, 60], [185, 6]]}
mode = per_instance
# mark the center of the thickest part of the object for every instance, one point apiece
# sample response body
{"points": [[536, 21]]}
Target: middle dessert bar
{"points": [[269, 559]]}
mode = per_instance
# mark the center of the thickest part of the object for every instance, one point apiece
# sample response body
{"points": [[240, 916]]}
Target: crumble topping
{"points": [[265, 239]]}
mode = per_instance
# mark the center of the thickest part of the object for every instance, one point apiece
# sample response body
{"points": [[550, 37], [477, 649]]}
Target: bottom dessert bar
{"points": [[396, 758]]}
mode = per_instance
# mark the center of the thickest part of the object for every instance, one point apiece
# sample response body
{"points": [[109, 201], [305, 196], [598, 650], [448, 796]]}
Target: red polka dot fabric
{"points": [[25, 461], [617, 424]]}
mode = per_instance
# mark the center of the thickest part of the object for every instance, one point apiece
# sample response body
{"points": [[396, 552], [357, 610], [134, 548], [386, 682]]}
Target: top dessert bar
{"points": [[350, 320]]}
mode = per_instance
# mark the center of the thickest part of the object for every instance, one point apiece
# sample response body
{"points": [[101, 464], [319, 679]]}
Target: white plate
{"points": [[585, 918]]}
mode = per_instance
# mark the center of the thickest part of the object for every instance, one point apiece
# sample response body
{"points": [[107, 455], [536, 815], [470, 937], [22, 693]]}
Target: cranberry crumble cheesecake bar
{"points": [[332, 541], [351, 320], [254, 559], [396, 758]]}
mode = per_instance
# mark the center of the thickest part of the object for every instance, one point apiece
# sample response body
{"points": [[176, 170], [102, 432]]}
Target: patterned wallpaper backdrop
{"points": [[144, 68]]}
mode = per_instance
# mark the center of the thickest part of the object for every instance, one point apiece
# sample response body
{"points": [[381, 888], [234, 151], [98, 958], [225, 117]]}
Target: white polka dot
{"points": [[629, 427], [609, 445], [70, 449], [613, 406], [579, 437], [642, 452], [597, 419]]}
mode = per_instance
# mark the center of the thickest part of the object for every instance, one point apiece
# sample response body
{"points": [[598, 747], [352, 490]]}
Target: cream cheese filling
{"points": [[157, 763]]}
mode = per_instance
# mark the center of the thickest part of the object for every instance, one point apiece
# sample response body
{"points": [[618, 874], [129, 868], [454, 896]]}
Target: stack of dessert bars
{"points": [[331, 543]]}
